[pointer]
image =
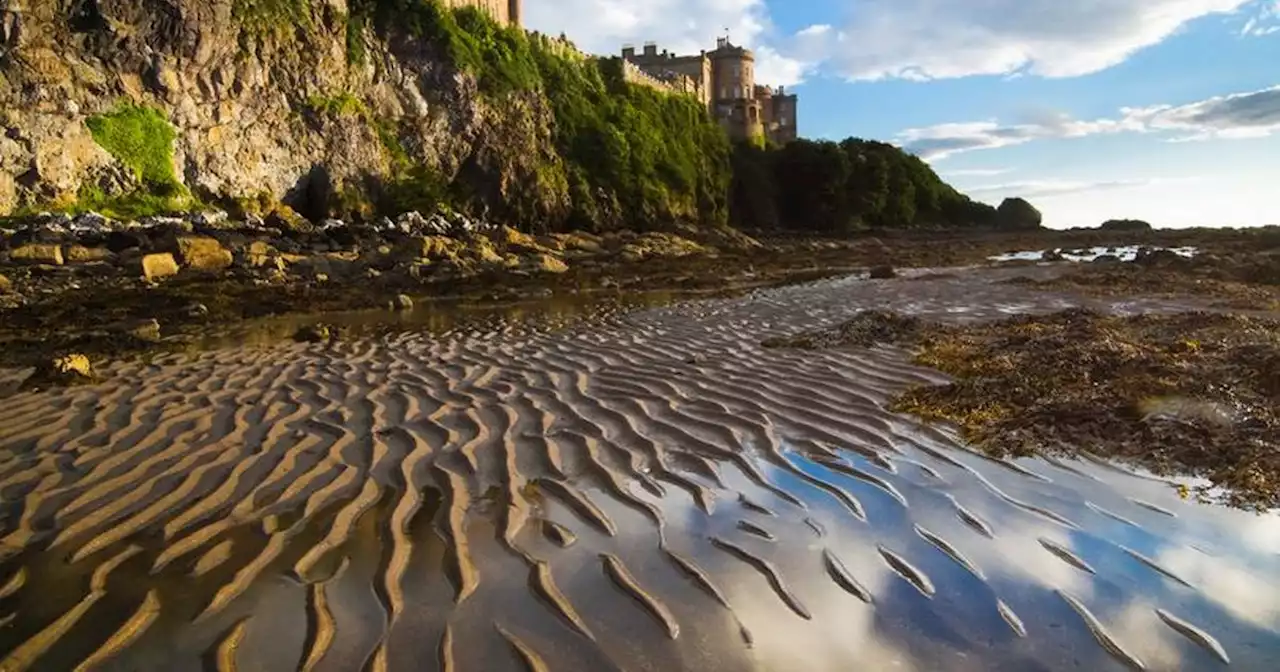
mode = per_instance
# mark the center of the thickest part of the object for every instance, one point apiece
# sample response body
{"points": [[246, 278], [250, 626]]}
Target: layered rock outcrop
{"points": [[268, 103]]}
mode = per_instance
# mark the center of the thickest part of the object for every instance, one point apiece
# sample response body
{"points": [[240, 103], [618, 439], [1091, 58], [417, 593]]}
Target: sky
{"points": [[1162, 110]]}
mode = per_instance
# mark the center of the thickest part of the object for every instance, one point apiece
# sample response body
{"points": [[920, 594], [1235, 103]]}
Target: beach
{"points": [[612, 487]]}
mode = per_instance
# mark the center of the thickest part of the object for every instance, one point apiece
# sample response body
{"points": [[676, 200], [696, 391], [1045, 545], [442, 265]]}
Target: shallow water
{"points": [[1125, 253], [639, 490]]}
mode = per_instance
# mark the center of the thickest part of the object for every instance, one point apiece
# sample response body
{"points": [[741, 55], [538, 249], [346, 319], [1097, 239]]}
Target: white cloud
{"points": [[1050, 188], [1265, 22], [907, 39], [1240, 115], [683, 26], [934, 39], [977, 172]]}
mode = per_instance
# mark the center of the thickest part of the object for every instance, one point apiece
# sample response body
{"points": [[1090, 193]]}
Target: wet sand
{"points": [[646, 490]]}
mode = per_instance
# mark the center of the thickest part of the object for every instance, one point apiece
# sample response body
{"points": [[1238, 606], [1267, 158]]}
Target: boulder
{"points": [[435, 248], [481, 249], [49, 255], [883, 273], [260, 254], [1017, 214], [146, 330], [203, 254], [158, 266], [66, 370], [659, 245], [517, 241], [1147, 256], [6, 285], [119, 241], [285, 218], [79, 254], [1052, 255], [313, 333], [584, 243], [1106, 259], [402, 302], [546, 263]]}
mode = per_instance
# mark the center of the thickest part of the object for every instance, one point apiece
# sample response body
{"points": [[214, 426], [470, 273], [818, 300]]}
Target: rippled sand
{"points": [[640, 491]]}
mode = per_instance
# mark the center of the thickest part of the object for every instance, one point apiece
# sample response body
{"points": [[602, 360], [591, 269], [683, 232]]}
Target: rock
{"points": [[481, 249], [38, 254], [516, 241], [91, 222], [6, 285], [883, 273], [119, 241], [197, 310], [79, 254], [285, 218], [1106, 259], [260, 254], [1147, 256], [313, 333], [1017, 214], [147, 330], [546, 263], [435, 248], [402, 302], [1052, 255], [659, 245], [70, 369], [212, 219], [157, 266], [203, 254], [578, 242]]}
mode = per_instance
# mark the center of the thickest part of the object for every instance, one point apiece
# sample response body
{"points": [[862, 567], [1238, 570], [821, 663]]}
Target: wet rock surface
{"points": [[1183, 393]]}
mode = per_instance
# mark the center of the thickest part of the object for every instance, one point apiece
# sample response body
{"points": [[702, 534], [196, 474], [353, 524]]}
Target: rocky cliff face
{"points": [[267, 104]]}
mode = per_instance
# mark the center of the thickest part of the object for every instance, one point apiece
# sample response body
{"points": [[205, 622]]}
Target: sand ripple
{"points": [[646, 491]]}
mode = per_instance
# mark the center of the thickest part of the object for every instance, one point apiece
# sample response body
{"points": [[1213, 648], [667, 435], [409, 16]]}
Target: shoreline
{"points": [[91, 297]]}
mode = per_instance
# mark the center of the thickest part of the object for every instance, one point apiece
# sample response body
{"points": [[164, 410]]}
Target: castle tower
{"points": [[515, 12], [734, 88]]}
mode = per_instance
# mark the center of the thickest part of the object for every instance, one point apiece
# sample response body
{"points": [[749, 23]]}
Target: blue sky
{"points": [[1164, 110]]}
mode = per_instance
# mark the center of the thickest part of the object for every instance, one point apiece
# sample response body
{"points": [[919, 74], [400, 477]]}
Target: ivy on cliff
{"points": [[629, 156]]}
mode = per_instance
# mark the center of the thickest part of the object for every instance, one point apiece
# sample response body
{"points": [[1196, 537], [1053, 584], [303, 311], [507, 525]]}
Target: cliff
{"points": [[352, 108], [334, 107]]}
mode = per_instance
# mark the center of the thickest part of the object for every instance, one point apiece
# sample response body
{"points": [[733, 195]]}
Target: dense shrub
{"points": [[1125, 225], [841, 187]]}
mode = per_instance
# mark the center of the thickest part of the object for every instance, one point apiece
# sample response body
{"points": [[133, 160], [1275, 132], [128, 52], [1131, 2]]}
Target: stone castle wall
{"points": [[667, 82], [502, 11]]}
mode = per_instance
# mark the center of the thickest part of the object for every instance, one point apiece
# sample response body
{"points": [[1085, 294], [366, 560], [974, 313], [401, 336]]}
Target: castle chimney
{"points": [[650, 49], [628, 52]]}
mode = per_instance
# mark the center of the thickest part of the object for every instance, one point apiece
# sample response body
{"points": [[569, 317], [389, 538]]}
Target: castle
{"points": [[723, 80], [502, 11]]}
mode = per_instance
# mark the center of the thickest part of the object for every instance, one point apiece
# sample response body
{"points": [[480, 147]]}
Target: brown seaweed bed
{"points": [[1195, 393], [638, 489]]}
